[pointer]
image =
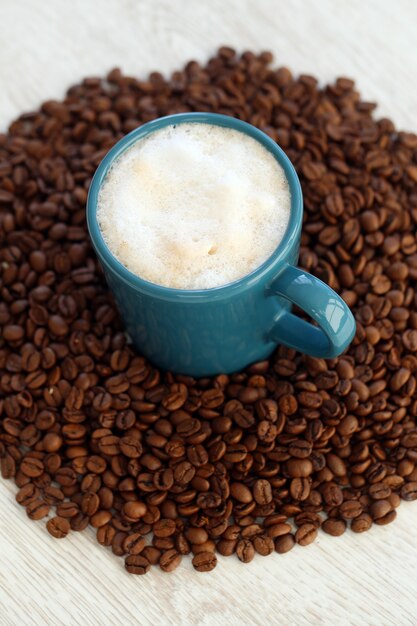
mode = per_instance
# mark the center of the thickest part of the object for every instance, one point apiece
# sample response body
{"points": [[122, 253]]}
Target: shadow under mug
{"points": [[223, 329]]}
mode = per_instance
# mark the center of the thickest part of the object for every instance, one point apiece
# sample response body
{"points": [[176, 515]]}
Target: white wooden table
{"points": [[367, 579]]}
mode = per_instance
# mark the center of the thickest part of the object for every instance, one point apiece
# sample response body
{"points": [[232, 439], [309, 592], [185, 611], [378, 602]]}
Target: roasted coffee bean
{"points": [[169, 560], [105, 535], [300, 488], [58, 527], [89, 429], [196, 535], [164, 528], [32, 467], [299, 468], [130, 447], [134, 544], [90, 503], [263, 545], [27, 494], [207, 546], [333, 526], [79, 522], [241, 492], [409, 491], [379, 491], [117, 542], [226, 547], [284, 544], [306, 534], [278, 529], [262, 492], [361, 523], [151, 554], [67, 509], [204, 561], [134, 510], [37, 509], [100, 519], [245, 550], [139, 565], [52, 442], [379, 509]]}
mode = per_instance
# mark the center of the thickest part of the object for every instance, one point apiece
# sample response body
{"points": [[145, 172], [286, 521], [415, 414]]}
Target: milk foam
{"points": [[194, 206]]}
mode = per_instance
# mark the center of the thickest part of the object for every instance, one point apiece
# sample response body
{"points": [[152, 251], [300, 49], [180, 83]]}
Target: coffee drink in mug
{"points": [[194, 206], [196, 219]]}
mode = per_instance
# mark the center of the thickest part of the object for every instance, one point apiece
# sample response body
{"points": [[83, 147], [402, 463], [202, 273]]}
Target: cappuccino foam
{"points": [[194, 206]]}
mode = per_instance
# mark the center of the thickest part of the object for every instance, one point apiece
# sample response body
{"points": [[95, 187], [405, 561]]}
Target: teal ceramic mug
{"points": [[223, 329]]}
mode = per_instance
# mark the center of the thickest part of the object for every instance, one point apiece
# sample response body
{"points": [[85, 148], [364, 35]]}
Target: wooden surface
{"points": [[366, 579]]}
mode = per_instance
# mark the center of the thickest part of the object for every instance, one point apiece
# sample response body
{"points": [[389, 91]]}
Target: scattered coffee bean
{"points": [[58, 527], [204, 561], [263, 545], [90, 430], [306, 534], [245, 550], [169, 560], [284, 544], [135, 564], [334, 527]]}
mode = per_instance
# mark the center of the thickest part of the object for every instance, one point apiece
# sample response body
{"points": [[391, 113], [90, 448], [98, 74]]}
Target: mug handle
{"points": [[336, 324]]}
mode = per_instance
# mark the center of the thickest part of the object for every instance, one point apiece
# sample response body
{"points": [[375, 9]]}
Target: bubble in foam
{"points": [[194, 206]]}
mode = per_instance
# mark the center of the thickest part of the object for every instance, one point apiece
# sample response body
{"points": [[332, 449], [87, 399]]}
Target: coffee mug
{"points": [[223, 329]]}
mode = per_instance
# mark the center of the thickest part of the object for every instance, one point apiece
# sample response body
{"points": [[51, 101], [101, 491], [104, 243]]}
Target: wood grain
{"points": [[367, 579]]}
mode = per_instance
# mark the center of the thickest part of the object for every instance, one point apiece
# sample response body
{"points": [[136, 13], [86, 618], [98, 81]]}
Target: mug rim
{"points": [[266, 271]]}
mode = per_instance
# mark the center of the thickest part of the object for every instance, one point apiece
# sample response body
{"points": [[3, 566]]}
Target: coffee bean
{"points": [[277, 530], [134, 510], [169, 560], [32, 467], [284, 544], [117, 539], [350, 509], [361, 523], [196, 535], [245, 550], [79, 522], [164, 528], [135, 564], [13, 332], [263, 544], [240, 492], [299, 468], [306, 534], [409, 491], [52, 442], [300, 488], [105, 535], [134, 544], [67, 509], [262, 492], [130, 447], [37, 509], [27, 494], [151, 554], [204, 561], [334, 527], [379, 509], [91, 430], [90, 503], [226, 547], [58, 527], [379, 491], [100, 519]]}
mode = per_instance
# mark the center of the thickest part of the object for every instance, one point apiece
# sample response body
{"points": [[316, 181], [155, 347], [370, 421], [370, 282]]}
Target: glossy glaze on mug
{"points": [[223, 329]]}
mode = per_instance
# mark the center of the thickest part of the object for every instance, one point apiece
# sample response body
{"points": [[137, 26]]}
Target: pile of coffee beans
{"points": [[256, 462]]}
